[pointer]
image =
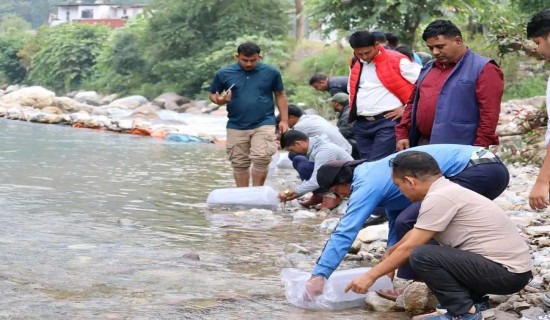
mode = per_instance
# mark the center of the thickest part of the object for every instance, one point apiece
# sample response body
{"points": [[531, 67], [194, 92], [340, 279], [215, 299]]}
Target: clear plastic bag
{"points": [[251, 197], [333, 297]]}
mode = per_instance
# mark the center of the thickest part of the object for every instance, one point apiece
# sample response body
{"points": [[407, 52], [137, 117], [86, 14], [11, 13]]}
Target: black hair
{"points": [[294, 110], [316, 78], [291, 136], [344, 176], [441, 28], [379, 36], [392, 39], [361, 39], [406, 50], [248, 49], [539, 26], [414, 163]]}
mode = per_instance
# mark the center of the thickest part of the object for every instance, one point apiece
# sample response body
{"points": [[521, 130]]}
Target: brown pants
{"points": [[254, 146]]}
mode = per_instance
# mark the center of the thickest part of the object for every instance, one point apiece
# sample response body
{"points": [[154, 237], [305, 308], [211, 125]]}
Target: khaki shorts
{"points": [[255, 146]]}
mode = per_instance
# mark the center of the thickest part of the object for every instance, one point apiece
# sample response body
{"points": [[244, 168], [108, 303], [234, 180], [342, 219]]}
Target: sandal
{"points": [[390, 294]]}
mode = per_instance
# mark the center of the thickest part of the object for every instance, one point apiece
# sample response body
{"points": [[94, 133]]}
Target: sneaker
{"points": [[480, 305], [374, 220], [447, 316]]}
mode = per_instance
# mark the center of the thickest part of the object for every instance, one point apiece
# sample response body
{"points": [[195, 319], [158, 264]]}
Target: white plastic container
{"points": [[251, 197], [333, 297]]}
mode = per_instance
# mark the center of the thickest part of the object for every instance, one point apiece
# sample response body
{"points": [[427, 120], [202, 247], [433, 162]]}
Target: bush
{"points": [[11, 70]]}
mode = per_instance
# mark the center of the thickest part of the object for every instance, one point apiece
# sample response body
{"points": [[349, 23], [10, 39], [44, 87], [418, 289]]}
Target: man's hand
{"points": [[361, 284], [538, 198], [283, 126], [402, 144], [287, 195], [314, 287], [222, 99], [395, 113]]}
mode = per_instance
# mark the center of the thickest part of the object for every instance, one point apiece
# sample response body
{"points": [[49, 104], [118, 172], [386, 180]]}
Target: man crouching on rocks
{"points": [[481, 251]]}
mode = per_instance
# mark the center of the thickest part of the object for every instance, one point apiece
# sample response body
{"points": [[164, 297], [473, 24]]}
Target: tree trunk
{"points": [[300, 19]]}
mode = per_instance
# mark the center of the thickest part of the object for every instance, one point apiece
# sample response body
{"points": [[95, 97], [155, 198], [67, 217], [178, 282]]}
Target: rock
{"points": [[54, 110], [88, 97], [36, 97], [517, 200], [183, 108], [191, 256], [131, 102], [12, 88], [170, 101], [400, 301], [501, 315], [100, 112], [294, 248], [537, 282], [355, 247], [306, 228], [418, 298], [538, 230], [329, 224], [148, 108], [504, 204], [221, 112], [519, 306], [377, 303], [373, 233], [108, 99], [532, 313], [69, 105], [303, 214]]}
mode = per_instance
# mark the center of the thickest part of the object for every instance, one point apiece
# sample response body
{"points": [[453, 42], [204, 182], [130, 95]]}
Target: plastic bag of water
{"points": [[333, 297], [251, 197]]}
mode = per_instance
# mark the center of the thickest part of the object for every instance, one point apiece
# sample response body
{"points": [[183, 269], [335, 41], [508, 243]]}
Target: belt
{"points": [[372, 118], [481, 156]]}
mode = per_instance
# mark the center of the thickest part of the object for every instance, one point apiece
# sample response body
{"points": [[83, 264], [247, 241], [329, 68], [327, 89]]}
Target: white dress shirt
{"points": [[547, 136], [372, 97]]}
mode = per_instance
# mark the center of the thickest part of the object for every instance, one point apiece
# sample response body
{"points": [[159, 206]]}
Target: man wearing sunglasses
{"points": [[369, 185]]}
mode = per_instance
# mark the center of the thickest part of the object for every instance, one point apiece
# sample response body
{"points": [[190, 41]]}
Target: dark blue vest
{"points": [[457, 111]]}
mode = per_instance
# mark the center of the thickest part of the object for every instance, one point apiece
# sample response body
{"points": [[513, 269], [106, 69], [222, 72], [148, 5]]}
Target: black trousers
{"points": [[488, 179], [460, 278]]}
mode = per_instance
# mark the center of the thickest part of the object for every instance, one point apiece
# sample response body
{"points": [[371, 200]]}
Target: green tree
{"points": [[11, 70], [14, 25], [67, 56], [402, 17]]}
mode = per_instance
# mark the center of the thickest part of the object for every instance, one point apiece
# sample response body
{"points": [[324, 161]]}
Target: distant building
{"points": [[112, 15]]}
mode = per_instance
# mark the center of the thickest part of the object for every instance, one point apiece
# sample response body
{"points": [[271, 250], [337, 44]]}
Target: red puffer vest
{"points": [[389, 73]]}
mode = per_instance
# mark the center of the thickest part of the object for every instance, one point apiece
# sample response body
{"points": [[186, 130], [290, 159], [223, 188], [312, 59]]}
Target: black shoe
{"points": [[374, 220]]}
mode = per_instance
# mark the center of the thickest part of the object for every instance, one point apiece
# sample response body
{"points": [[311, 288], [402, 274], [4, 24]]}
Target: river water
{"points": [[95, 225]]}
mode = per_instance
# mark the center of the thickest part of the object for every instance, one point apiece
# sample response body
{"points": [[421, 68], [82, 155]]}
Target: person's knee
{"points": [[261, 165], [418, 256]]}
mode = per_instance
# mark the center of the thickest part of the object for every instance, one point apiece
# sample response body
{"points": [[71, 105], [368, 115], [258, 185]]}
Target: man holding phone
{"points": [[248, 87]]}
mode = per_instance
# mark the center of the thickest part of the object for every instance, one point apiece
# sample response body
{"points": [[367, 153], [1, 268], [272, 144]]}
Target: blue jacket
{"points": [[457, 111], [373, 187]]}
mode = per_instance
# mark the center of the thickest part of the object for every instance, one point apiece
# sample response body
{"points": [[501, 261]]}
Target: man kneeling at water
{"points": [[481, 251], [318, 151]]}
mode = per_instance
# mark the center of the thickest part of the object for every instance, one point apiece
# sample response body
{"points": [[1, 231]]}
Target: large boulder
{"points": [[418, 298], [88, 97], [374, 233], [69, 105], [131, 102], [54, 110], [110, 98], [377, 303], [170, 100], [36, 97]]}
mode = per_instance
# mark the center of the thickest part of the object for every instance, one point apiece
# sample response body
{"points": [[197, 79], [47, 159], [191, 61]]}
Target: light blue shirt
{"points": [[373, 187]]}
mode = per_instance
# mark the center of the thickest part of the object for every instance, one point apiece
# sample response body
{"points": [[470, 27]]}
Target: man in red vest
{"points": [[380, 84]]}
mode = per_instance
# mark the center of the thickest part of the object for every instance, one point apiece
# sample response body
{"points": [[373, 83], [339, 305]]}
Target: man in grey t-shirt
{"points": [[481, 251]]}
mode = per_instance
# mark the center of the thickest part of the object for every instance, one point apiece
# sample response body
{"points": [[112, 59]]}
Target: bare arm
{"points": [[397, 258], [282, 105], [538, 198]]}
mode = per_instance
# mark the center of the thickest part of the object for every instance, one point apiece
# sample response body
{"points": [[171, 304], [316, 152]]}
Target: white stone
{"points": [[374, 233], [88, 97], [36, 97], [303, 214], [130, 102]]}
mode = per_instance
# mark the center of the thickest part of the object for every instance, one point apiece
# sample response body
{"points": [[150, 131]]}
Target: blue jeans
{"points": [[303, 166], [375, 139], [487, 179]]}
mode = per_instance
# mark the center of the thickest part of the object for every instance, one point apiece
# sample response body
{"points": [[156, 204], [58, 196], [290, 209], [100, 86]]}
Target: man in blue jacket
{"points": [[369, 185]]}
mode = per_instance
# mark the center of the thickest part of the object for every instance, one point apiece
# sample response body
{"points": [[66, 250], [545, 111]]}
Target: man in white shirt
{"points": [[380, 84]]}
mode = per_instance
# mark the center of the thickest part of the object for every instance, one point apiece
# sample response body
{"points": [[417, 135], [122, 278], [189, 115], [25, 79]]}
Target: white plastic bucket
{"points": [[251, 197]]}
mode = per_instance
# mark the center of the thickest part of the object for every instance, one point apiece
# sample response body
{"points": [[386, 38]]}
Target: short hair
{"points": [[414, 163], [316, 78], [379, 36], [291, 136], [392, 39], [294, 110], [360, 39], [441, 28], [539, 26], [406, 50], [248, 49]]}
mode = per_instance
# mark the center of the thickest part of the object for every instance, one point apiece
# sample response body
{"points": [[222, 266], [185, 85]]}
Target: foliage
{"points": [[67, 55], [525, 88], [11, 71], [33, 11], [13, 25], [398, 16], [530, 6]]}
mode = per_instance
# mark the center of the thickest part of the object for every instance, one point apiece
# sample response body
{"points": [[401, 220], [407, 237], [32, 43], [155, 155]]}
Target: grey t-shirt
{"points": [[314, 125], [468, 221]]}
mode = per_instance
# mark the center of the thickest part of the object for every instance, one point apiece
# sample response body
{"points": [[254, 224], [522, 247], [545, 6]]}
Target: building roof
{"points": [[75, 4]]}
